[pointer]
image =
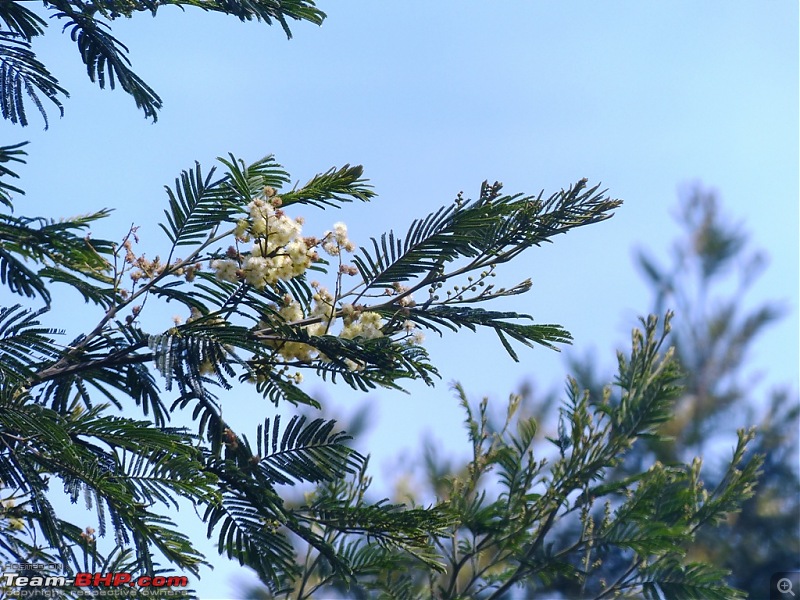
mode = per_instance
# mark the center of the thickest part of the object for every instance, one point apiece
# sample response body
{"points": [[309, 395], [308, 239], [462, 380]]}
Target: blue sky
{"points": [[433, 98]]}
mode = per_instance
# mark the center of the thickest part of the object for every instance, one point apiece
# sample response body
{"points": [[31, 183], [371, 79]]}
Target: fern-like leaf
{"points": [[196, 206], [10, 154], [494, 228], [245, 182], [20, 279], [22, 74], [454, 318], [389, 525], [304, 451], [21, 21], [24, 344], [332, 188], [263, 10], [106, 58], [57, 245], [249, 534]]}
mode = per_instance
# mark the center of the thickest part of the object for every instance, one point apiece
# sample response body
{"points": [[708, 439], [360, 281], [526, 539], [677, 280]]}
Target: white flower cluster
{"points": [[356, 324], [366, 325], [405, 299], [335, 241], [415, 336], [292, 312], [278, 251]]}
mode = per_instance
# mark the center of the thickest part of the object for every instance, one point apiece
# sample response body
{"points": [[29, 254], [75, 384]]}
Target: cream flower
{"points": [[225, 270]]}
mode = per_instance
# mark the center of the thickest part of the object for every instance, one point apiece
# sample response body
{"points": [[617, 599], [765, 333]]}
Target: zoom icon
{"points": [[784, 585]]}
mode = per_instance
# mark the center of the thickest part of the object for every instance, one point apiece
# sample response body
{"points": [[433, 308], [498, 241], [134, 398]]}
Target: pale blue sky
{"points": [[433, 98]]}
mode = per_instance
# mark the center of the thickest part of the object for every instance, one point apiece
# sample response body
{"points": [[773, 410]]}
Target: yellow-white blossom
{"points": [[323, 304], [225, 270], [368, 325]]}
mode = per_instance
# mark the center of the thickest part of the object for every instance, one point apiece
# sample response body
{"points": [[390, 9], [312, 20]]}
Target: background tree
{"points": [[712, 270]]}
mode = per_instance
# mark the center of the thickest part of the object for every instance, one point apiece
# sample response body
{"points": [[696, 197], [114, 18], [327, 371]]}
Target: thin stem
{"points": [[112, 312], [619, 580]]}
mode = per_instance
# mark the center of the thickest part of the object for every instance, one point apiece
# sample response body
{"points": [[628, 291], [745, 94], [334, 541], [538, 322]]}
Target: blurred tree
{"points": [[715, 327], [712, 268]]}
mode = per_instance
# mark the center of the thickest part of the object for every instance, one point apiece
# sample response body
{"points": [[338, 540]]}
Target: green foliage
{"points": [[9, 154], [713, 332], [121, 466], [23, 75], [250, 316], [713, 340], [253, 318], [520, 515], [56, 246], [491, 230], [22, 341]]}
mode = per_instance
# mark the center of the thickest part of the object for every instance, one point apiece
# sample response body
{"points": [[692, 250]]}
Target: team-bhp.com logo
{"points": [[17, 584]]}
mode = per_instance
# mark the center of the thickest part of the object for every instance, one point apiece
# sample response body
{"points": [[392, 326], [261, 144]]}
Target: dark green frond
{"points": [[278, 387], [196, 348], [250, 534], [389, 525], [210, 294], [80, 449], [378, 362], [206, 412], [90, 291], [456, 317], [430, 243], [20, 20], [304, 451], [19, 278], [21, 75], [106, 58], [245, 182], [57, 244], [263, 10], [494, 229], [113, 364], [196, 207], [24, 344], [332, 188], [9, 154]]}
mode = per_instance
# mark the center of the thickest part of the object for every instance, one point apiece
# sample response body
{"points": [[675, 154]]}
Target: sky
{"points": [[433, 98]]}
